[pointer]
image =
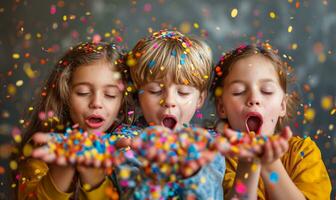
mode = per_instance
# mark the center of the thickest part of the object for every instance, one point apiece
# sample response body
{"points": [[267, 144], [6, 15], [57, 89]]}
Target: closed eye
{"points": [[238, 93], [83, 93], [155, 92], [184, 93], [110, 96]]}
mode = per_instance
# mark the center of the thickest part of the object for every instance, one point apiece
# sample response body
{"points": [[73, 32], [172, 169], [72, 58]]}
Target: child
{"points": [[85, 88], [251, 95], [171, 73]]}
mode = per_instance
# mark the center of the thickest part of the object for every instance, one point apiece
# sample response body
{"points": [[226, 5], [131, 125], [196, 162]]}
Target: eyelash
{"points": [[82, 93]]}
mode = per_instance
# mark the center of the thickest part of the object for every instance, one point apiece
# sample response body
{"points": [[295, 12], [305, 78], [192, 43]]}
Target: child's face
{"points": [[169, 104], [95, 97], [252, 98]]}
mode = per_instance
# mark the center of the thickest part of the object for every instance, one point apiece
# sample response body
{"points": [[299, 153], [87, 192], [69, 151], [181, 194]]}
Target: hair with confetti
{"points": [[170, 54], [224, 66], [51, 111]]}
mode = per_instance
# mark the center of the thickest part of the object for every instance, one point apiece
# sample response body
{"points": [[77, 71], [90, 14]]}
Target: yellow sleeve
{"points": [[104, 191], [229, 177], [305, 166], [36, 183]]}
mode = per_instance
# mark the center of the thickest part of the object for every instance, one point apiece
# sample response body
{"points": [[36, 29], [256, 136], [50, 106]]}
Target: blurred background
{"points": [[34, 34]]}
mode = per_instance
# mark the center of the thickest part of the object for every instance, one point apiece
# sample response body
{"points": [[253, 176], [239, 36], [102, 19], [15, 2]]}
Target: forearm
{"points": [[285, 188], [248, 173], [62, 177]]}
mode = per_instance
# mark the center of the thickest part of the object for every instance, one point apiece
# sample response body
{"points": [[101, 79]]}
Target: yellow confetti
{"points": [[19, 83], [333, 111], [65, 17], [272, 15], [218, 92], [185, 27], [131, 62], [309, 114], [196, 25], [28, 70], [11, 89], [290, 29], [327, 102], [27, 150], [16, 56], [234, 13], [13, 165], [331, 127], [294, 46]]}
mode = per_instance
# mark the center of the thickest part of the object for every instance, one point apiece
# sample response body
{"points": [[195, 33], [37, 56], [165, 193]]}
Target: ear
{"points": [[220, 108], [283, 110], [201, 100]]}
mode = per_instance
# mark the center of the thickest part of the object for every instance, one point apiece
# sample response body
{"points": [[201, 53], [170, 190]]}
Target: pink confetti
{"points": [[148, 7], [53, 9], [240, 187]]}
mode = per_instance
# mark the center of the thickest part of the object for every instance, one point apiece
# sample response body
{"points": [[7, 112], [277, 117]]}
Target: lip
{"points": [[169, 116], [94, 125], [254, 114]]}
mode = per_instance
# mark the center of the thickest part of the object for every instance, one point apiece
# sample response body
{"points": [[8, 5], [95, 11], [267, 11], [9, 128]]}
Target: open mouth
{"points": [[94, 121], [169, 122], [254, 122]]}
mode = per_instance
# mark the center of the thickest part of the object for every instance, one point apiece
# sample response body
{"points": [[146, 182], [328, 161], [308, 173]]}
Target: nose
{"points": [[170, 100], [96, 102], [253, 100]]}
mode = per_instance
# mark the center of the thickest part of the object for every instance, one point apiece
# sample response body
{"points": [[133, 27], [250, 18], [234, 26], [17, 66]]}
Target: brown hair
{"points": [[56, 90], [186, 60], [224, 66]]}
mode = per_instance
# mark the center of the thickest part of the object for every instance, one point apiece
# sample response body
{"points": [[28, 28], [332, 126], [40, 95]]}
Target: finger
{"points": [[276, 149], [108, 163], [232, 135], [61, 160], [49, 158], [41, 138], [286, 133], [283, 144], [40, 152], [123, 143], [268, 152], [97, 163]]}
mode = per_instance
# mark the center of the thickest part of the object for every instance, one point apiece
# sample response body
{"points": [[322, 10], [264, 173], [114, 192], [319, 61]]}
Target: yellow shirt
{"points": [[36, 183], [304, 166]]}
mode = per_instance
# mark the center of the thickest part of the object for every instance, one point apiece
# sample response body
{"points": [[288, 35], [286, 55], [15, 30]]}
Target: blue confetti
{"points": [[274, 177], [151, 63]]}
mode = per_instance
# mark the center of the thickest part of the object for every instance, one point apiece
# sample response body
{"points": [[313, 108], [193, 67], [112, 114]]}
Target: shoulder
{"points": [[303, 146]]}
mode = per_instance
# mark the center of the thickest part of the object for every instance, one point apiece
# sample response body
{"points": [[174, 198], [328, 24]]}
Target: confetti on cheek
{"points": [[274, 177]]}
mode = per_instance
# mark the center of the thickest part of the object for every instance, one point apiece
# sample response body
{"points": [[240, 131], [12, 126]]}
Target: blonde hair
{"points": [[224, 66], [170, 54], [57, 87]]}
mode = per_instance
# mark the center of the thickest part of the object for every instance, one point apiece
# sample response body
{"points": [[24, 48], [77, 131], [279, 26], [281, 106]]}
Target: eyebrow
{"points": [[262, 80], [89, 84]]}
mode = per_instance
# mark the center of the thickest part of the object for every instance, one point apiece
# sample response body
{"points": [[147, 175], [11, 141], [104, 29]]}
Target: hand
{"points": [[42, 150], [168, 155], [276, 147], [79, 148], [237, 144]]}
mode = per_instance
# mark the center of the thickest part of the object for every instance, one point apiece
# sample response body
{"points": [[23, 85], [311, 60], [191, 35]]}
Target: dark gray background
{"points": [[313, 22]]}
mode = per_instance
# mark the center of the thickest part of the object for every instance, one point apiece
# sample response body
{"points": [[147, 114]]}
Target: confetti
{"points": [[234, 13]]}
